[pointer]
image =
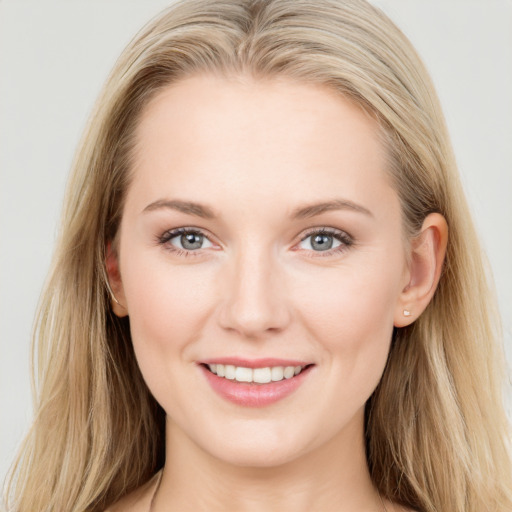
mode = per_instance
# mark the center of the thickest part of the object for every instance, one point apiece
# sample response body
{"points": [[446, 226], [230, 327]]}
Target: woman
{"points": [[267, 283]]}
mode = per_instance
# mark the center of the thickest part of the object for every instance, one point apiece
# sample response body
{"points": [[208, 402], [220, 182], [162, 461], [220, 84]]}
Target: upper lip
{"points": [[255, 363]]}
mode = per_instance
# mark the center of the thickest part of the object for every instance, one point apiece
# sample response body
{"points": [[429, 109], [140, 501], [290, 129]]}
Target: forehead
{"points": [[259, 137]]}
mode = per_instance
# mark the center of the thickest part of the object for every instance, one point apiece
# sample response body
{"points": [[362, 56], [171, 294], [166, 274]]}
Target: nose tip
{"points": [[252, 321], [255, 303]]}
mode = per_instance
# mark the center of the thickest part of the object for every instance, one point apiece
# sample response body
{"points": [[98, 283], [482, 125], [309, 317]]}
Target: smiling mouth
{"points": [[255, 375]]}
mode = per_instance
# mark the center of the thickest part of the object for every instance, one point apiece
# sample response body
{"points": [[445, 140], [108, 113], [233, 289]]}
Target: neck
{"points": [[332, 477]]}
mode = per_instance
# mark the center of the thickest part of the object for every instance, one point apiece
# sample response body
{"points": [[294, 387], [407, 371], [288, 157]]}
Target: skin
{"points": [[253, 153]]}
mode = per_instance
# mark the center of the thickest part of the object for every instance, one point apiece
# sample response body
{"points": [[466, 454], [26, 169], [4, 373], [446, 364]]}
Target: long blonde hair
{"points": [[437, 436]]}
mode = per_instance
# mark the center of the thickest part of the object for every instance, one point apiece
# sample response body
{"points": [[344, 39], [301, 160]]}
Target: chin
{"points": [[258, 457], [252, 451]]}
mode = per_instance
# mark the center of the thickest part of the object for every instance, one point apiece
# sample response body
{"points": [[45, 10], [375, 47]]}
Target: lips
{"points": [[257, 375], [255, 383]]}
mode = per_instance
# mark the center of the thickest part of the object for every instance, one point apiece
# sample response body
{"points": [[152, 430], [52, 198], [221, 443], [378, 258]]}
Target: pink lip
{"points": [[250, 394]]}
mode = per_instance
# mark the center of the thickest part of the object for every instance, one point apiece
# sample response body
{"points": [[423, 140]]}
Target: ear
{"points": [[428, 251], [115, 282]]}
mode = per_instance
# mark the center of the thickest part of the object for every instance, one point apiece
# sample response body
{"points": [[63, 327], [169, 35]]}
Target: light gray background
{"points": [[54, 57]]}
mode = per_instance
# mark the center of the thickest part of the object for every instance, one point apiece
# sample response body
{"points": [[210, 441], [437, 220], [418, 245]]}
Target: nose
{"points": [[255, 302]]}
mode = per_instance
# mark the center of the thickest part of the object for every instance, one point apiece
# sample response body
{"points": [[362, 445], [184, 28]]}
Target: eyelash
{"points": [[346, 241], [169, 235]]}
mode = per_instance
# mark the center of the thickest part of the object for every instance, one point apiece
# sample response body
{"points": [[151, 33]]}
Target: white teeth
{"points": [[258, 375], [243, 374], [288, 372], [229, 372], [277, 373], [262, 375]]}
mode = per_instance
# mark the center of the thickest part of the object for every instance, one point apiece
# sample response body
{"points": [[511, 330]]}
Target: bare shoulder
{"points": [[138, 500]]}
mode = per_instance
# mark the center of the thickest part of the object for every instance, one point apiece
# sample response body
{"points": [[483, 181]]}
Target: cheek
{"points": [[351, 322], [167, 305], [350, 312]]}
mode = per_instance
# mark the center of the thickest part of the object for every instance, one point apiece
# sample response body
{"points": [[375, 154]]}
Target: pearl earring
{"points": [[407, 312]]}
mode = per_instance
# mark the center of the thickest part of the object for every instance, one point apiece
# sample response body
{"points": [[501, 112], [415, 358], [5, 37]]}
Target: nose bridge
{"points": [[254, 302]]}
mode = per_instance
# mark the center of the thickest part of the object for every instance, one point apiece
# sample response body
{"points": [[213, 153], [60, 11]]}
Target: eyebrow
{"points": [[187, 207], [303, 212], [337, 204]]}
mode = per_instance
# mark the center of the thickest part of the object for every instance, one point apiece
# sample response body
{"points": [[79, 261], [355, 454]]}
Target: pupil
{"points": [[322, 242], [191, 241]]}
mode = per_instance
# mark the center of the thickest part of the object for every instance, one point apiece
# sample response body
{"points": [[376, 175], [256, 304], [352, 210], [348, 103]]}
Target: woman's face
{"points": [[260, 232]]}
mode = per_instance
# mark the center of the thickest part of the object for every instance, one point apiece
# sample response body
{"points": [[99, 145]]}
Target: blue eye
{"points": [[325, 240], [186, 239]]}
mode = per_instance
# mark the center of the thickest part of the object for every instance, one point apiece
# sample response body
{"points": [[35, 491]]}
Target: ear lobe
{"points": [[428, 251], [115, 282]]}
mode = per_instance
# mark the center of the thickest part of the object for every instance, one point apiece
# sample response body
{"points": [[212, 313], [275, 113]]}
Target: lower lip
{"points": [[254, 395]]}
